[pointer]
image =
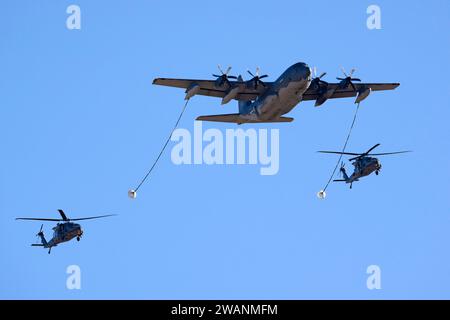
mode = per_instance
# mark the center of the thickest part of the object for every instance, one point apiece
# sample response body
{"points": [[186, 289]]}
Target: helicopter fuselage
{"points": [[364, 166], [64, 232]]}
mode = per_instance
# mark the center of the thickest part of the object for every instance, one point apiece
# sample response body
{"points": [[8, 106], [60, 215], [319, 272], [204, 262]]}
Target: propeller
{"points": [[317, 80], [223, 77], [256, 80], [348, 80]]}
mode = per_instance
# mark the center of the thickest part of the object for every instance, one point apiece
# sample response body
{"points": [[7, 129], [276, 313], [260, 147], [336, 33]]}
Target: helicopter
{"points": [[363, 162], [63, 232]]}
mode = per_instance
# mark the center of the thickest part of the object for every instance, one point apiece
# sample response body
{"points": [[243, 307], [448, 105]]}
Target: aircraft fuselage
{"points": [[284, 94]]}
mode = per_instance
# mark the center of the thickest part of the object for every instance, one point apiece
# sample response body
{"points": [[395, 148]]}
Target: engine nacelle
{"points": [[192, 91], [230, 95], [362, 94], [324, 97]]}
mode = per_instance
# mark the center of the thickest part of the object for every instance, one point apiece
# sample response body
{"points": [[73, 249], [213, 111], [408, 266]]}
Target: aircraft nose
{"points": [[307, 71], [302, 70]]}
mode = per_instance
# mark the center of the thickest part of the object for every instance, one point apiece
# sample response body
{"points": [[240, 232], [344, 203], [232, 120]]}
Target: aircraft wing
{"points": [[208, 88], [312, 94]]}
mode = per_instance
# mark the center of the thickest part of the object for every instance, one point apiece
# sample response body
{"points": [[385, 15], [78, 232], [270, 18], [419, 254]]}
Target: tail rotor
{"points": [[40, 234], [342, 169]]}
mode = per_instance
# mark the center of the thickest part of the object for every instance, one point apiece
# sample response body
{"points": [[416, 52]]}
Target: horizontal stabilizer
{"points": [[235, 118], [339, 180], [37, 245]]}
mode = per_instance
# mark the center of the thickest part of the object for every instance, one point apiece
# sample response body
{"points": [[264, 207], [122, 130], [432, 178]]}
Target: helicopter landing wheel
{"points": [[78, 238]]}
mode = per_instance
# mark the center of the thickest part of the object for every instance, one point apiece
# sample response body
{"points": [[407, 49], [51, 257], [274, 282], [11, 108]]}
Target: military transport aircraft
{"points": [[260, 101]]}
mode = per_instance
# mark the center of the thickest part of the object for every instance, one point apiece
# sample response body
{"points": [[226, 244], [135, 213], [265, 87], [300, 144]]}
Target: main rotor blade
{"points": [[39, 219], [96, 217], [63, 215], [368, 151], [337, 152], [387, 153]]}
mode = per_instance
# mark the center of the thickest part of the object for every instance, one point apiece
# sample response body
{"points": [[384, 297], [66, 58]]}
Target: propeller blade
{"points": [[315, 71], [353, 86], [250, 73], [264, 76], [232, 77], [351, 72], [228, 70], [257, 71], [355, 79], [340, 78], [215, 75], [343, 71], [322, 75], [96, 217], [220, 69]]}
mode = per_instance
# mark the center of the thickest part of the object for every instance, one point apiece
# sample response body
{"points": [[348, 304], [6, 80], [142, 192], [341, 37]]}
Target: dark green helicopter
{"points": [[363, 163], [63, 232]]}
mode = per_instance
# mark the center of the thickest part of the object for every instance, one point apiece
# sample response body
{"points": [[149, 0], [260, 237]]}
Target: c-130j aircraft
{"points": [[261, 102]]}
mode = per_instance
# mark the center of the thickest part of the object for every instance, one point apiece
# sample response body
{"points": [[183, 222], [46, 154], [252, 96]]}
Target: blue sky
{"points": [[81, 123]]}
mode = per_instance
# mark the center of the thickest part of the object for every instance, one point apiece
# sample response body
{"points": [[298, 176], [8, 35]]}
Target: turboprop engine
{"points": [[324, 97], [230, 95]]}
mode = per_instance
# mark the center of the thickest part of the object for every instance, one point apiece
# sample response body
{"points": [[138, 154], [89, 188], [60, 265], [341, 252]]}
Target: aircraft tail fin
{"points": [[236, 118]]}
